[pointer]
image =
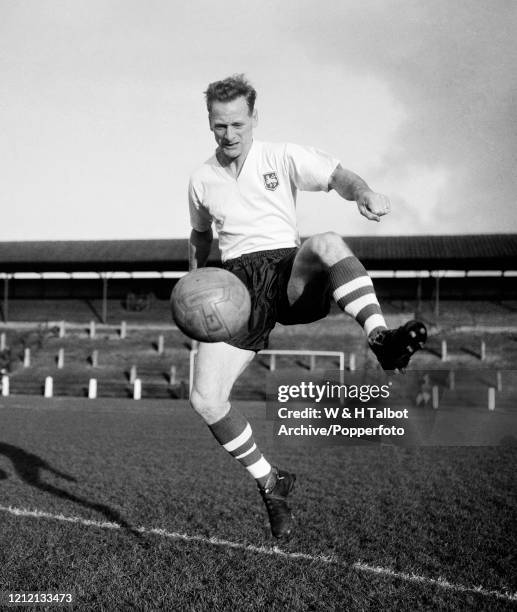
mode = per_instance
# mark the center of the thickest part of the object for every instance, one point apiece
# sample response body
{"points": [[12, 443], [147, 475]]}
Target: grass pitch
{"points": [[380, 529]]}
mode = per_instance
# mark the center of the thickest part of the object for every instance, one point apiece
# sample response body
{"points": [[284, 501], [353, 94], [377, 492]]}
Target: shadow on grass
{"points": [[94, 310], [471, 352], [29, 466], [432, 350]]}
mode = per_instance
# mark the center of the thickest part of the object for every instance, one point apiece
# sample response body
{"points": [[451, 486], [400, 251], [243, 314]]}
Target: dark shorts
{"points": [[266, 275]]}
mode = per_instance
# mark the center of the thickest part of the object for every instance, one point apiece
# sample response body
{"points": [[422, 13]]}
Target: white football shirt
{"points": [[256, 210]]}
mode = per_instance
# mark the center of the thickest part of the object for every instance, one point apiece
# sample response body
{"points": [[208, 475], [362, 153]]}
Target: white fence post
{"points": [[435, 397], [452, 380], [92, 388], [499, 377], [491, 398], [49, 387], [5, 385], [137, 389]]}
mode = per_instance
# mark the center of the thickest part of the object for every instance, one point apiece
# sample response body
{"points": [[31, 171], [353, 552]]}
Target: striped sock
{"points": [[354, 293], [234, 434]]}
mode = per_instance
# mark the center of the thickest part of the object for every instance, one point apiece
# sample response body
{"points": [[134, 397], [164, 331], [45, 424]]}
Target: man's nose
{"points": [[229, 134]]}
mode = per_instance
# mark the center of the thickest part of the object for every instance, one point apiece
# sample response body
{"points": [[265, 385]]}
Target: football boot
{"points": [[280, 483], [395, 347]]}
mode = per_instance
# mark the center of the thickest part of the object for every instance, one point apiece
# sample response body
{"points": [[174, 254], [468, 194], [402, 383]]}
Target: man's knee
{"points": [[329, 247], [210, 407]]}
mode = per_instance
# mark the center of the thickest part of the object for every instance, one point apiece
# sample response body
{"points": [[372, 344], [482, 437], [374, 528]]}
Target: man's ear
{"points": [[255, 117], [210, 122]]}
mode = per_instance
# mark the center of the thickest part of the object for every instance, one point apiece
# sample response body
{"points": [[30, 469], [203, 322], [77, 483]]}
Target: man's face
{"points": [[232, 126]]}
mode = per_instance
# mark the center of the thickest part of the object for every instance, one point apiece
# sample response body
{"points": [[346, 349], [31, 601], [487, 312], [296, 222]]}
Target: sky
{"points": [[102, 115]]}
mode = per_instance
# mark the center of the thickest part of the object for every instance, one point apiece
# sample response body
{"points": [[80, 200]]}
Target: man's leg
{"points": [[354, 293], [217, 367]]}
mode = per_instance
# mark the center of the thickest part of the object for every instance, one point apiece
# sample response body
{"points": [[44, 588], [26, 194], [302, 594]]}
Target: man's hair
{"points": [[230, 89]]}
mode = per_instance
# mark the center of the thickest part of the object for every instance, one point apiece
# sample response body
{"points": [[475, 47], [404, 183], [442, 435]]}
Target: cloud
{"points": [[452, 68], [103, 115]]}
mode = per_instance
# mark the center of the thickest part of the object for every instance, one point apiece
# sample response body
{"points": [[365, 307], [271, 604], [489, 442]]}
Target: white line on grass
{"points": [[264, 550]]}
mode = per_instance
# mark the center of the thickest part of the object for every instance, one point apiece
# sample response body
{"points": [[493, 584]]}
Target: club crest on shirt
{"points": [[270, 181]]}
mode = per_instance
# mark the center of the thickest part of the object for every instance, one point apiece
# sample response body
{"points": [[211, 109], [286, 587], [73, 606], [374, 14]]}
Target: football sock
{"points": [[234, 434], [353, 291]]}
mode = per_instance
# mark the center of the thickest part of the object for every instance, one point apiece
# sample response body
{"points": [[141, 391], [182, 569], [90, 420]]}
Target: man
{"points": [[248, 189]]}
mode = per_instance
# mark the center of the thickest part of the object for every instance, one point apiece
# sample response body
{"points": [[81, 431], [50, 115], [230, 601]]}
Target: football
{"points": [[210, 305]]}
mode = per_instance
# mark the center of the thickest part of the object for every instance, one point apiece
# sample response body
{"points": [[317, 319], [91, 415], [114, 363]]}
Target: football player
{"points": [[248, 190]]}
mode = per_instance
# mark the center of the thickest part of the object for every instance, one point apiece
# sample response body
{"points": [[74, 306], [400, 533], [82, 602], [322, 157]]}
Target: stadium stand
{"points": [[140, 270], [48, 287]]}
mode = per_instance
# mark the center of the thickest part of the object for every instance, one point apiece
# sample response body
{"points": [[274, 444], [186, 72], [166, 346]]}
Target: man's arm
{"points": [[350, 186], [199, 248]]}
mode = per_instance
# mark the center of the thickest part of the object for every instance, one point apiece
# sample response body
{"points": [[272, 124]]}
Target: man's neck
{"points": [[233, 165]]}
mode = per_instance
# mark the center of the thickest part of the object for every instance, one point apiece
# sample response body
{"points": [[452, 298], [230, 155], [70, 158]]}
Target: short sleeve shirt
{"points": [[257, 210]]}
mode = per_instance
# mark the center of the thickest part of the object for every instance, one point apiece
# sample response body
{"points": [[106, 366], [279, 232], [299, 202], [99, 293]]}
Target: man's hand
{"points": [[373, 205], [352, 187]]}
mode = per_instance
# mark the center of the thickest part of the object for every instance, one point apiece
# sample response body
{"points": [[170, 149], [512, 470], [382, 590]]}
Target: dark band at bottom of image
{"points": [[418, 408]]}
